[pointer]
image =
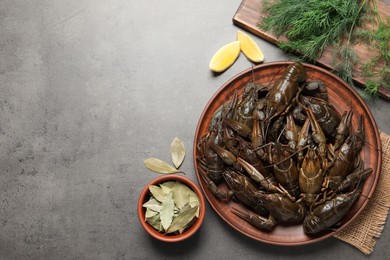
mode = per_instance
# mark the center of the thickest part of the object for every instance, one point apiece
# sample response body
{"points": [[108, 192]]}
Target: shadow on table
{"points": [[284, 251], [193, 243], [177, 249]]}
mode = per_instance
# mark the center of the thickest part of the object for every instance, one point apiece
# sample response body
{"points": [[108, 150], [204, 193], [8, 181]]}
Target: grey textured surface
{"points": [[91, 88]]}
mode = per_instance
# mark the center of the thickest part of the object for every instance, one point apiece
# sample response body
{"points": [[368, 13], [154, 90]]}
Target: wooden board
{"points": [[249, 13]]}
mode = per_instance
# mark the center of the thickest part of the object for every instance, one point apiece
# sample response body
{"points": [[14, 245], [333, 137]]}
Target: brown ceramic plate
{"points": [[342, 97]]}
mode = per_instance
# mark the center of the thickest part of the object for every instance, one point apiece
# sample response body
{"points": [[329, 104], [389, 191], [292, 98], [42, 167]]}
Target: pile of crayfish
{"points": [[285, 154]]}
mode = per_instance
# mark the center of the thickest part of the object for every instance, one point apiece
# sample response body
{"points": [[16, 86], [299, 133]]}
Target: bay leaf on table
{"points": [[177, 152], [159, 166], [167, 211], [182, 219]]}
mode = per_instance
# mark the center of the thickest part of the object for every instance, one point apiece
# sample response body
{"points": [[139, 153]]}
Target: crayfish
{"points": [[285, 154]]}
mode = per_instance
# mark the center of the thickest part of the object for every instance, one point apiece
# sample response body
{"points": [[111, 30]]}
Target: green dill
{"points": [[347, 60], [311, 26], [378, 42]]}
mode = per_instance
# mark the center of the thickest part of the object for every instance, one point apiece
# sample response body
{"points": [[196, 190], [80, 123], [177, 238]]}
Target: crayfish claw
{"points": [[213, 187], [359, 137], [255, 219], [343, 129]]}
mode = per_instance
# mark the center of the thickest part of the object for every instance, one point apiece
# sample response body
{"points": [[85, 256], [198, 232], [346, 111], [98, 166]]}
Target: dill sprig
{"points": [[313, 25], [309, 25], [378, 42]]}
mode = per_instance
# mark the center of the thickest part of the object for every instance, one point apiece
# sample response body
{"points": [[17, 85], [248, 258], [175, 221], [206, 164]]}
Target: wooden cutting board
{"points": [[249, 13]]}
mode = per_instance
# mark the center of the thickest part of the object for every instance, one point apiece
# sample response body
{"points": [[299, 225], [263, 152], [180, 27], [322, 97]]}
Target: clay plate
{"points": [[342, 97]]}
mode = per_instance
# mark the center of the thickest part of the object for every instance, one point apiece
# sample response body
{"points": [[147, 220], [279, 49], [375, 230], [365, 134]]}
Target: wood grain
{"points": [[249, 13]]}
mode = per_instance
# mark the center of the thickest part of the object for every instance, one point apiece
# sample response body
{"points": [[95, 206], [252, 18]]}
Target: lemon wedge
{"points": [[225, 57], [249, 47]]}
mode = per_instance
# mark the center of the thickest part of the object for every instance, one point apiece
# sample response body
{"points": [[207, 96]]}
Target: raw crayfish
{"points": [[285, 154]]}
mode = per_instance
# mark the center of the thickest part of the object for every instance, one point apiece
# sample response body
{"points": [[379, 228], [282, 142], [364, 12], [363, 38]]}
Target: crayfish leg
{"points": [[284, 191]]}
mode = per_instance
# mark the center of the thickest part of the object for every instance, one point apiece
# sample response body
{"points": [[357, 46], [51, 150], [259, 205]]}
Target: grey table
{"points": [[91, 88]]}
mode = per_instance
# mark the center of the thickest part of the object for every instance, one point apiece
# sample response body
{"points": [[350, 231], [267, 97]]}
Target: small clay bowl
{"points": [[145, 194]]}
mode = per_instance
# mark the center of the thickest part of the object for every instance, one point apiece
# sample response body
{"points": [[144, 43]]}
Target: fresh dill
{"points": [[379, 45], [310, 26]]}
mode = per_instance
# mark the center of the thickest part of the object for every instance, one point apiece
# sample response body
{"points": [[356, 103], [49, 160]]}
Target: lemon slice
{"points": [[225, 57], [249, 47]]}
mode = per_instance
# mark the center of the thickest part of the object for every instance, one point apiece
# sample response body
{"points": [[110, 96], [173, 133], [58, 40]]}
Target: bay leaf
{"points": [[167, 211], [155, 222], [192, 222], [180, 193], [187, 206], [150, 213], [167, 186], [182, 219], [181, 230], [159, 166], [194, 201], [157, 192], [178, 152], [152, 204]]}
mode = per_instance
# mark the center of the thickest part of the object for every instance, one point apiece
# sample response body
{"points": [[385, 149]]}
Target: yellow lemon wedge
{"points": [[225, 57], [249, 47]]}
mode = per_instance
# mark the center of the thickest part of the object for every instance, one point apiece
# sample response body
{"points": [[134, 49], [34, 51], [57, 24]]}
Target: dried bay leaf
{"points": [[187, 206], [157, 192], [159, 166], [180, 193], [150, 213], [167, 211], [182, 219], [193, 201], [152, 204], [177, 152], [155, 222], [167, 186], [192, 222]]}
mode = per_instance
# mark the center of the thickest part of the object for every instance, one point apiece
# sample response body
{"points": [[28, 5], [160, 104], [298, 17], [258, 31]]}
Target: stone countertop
{"points": [[91, 88]]}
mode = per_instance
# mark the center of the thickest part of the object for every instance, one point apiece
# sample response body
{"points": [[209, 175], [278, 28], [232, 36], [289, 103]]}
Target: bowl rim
{"points": [[171, 238], [307, 66]]}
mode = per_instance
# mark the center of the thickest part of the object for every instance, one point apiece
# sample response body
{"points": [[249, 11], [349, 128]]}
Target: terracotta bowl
{"points": [[342, 97], [145, 194]]}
